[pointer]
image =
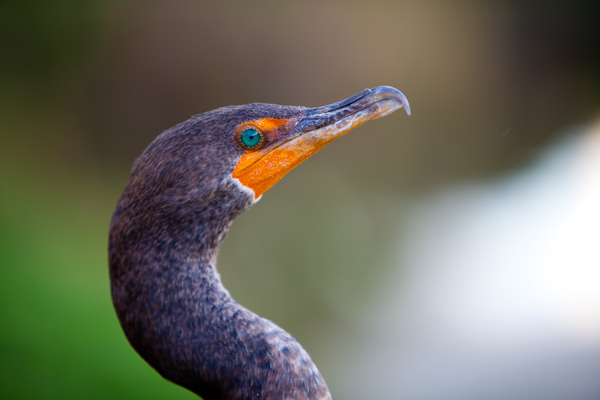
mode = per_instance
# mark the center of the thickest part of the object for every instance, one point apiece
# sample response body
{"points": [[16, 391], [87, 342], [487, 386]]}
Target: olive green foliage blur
{"points": [[59, 337]]}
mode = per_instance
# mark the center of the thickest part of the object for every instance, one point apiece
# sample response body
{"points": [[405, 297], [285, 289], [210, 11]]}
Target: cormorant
{"points": [[183, 194]]}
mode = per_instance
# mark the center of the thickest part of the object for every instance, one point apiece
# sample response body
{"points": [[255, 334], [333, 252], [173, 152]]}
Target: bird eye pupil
{"points": [[250, 137]]}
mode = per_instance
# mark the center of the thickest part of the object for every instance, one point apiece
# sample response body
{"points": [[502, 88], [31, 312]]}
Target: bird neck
{"points": [[180, 318]]}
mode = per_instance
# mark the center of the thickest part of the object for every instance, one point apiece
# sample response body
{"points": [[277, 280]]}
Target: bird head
{"points": [[235, 154]]}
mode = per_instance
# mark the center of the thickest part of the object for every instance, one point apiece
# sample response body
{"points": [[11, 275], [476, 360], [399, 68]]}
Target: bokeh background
{"points": [[453, 254]]}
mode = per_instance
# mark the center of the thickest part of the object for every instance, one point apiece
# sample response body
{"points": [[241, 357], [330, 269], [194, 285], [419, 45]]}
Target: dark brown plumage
{"points": [[165, 234]]}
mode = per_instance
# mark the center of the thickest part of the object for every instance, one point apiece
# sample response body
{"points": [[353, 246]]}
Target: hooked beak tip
{"points": [[393, 94]]}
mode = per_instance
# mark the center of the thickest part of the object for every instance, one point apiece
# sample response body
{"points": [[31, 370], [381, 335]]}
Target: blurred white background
{"points": [[497, 294]]}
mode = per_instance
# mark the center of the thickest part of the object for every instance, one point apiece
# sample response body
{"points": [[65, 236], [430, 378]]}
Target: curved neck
{"points": [[179, 317]]}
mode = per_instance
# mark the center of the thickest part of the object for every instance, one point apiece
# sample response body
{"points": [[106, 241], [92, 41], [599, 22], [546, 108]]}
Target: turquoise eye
{"points": [[250, 138]]}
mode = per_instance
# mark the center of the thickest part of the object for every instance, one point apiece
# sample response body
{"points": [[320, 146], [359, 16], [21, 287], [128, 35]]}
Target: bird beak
{"points": [[259, 170]]}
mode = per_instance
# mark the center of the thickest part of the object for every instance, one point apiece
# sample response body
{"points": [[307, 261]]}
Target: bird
{"points": [[183, 193]]}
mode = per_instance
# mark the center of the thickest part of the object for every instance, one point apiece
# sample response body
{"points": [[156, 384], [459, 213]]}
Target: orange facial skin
{"points": [[268, 125], [260, 169], [286, 147]]}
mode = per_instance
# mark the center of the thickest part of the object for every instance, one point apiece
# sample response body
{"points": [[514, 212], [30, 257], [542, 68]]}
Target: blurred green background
{"points": [[86, 86]]}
